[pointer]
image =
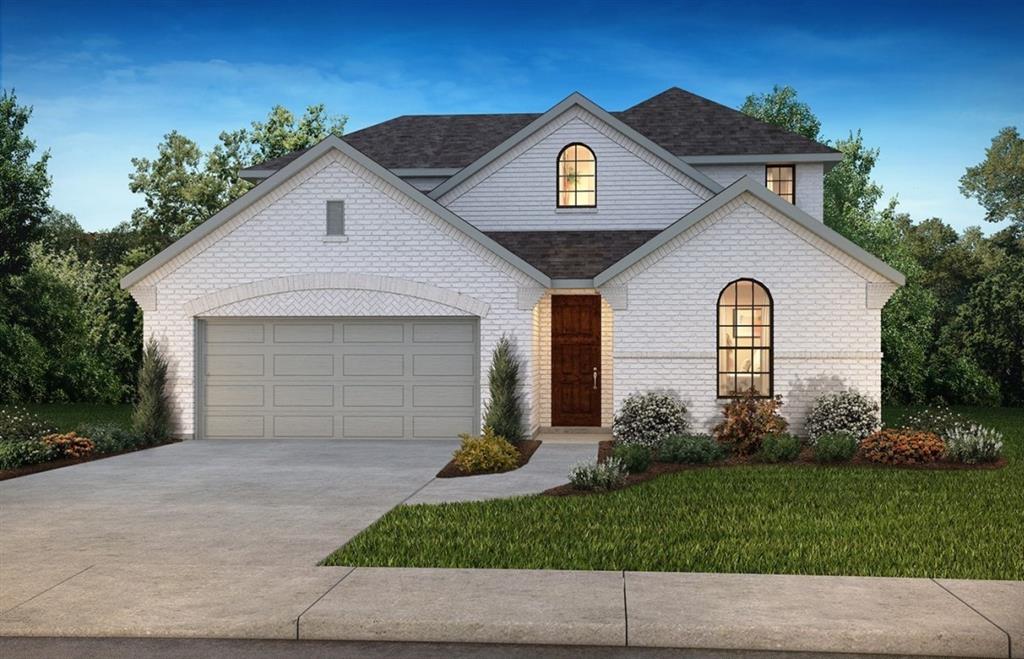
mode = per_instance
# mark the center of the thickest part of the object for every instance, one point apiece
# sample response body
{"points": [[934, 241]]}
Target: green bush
{"points": [[691, 449], [648, 419], [152, 417], [19, 425], [22, 454], [779, 447], [635, 458], [835, 447], [110, 438], [485, 454], [973, 443], [606, 475], [504, 412]]}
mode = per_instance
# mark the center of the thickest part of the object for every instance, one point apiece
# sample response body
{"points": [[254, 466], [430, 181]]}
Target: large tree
{"points": [[24, 186], [780, 107], [998, 181]]}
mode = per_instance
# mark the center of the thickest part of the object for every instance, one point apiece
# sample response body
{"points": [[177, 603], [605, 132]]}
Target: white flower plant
{"points": [[848, 412], [648, 419]]}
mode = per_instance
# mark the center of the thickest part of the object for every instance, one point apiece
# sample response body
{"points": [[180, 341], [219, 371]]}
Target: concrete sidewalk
{"points": [[714, 611]]}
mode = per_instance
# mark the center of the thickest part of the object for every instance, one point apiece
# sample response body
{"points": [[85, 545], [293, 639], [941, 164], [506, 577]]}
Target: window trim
{"points": [[792, 168], [327, 219], [719, 348], [558, 177]]}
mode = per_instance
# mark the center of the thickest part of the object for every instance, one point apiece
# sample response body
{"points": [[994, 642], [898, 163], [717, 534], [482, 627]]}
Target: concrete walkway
{"points": [[714, 611]]}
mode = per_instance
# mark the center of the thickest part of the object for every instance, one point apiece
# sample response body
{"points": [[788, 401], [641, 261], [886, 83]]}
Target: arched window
{"points": [[577, 177], [744, 339]]}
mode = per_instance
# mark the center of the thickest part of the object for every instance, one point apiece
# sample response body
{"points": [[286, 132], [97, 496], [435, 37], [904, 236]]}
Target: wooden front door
{"points": [[576, 360]]}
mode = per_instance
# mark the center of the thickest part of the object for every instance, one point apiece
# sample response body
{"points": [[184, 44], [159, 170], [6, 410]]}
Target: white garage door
{"points": [[350, 378]]}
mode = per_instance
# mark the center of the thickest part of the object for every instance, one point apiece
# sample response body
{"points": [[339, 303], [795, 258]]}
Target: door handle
{"points": [[595, 377]]}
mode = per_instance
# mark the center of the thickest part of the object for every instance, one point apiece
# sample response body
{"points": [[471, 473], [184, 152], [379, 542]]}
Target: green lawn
{"points": [[67, 416], [759, 519]]}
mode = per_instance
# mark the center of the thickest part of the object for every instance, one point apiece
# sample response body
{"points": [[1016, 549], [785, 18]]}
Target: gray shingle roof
{"points": [[680, 122], [571, 254]]}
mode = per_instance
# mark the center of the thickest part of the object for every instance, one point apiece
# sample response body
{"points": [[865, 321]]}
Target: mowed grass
{"points": [[759, 519], [68, 416]]}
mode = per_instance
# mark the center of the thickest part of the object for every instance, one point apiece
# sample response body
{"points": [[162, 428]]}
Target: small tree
{"points": [[152, 416], [504, 414]]}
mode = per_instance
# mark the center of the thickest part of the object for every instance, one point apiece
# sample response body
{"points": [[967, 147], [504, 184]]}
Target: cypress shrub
{"points": [[504, 413], [152, 416]]}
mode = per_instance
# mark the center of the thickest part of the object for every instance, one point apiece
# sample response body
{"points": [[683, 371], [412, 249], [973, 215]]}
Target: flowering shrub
{"points": [[690, 449], [902, 447], [22, 454], [747, 420], [780, 447], [648, 419], [485, 454], [606, 475], [19, 425], [973, 443], [69, 445], [846, 411], [938, 419], [835, 447]]}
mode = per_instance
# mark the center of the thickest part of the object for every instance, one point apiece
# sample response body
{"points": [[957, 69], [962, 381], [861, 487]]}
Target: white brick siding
{"points": [[635, 188], [282, 235], [825, 336], [809, 182]]}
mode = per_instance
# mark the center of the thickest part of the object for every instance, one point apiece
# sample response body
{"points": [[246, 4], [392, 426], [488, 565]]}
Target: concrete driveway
{"points": [[227, 502]]}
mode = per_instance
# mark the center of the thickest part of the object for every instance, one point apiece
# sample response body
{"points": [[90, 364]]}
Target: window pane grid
{"points": [[781, 179], [744, 339], [577, 176]]}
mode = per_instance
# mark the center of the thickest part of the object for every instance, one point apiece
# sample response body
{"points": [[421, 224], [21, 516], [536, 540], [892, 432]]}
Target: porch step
{"points": [[576, 430], [573, 435]]}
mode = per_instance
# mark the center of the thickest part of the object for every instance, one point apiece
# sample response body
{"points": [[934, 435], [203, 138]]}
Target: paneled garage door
{"points": [[412, 378]]}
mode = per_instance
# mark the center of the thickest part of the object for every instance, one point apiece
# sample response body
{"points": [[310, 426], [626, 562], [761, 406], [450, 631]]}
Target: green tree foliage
{"points": [[780, 107], [152, 416], [24, 186], [504, 412], [850, 195], [282, 133], [998, 181]]}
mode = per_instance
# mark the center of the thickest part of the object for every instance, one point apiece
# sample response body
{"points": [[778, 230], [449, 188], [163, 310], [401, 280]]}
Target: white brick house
{"points": [[359, 289]]}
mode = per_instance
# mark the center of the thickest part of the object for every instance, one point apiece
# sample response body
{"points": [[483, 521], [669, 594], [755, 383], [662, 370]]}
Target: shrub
{"points": [[606, 475], [973, 443], [747, 420], [19, 425], [635, 458], [648, 419], [835, 447], [504, 412], [70, 445], [902, 447], [485, 454], [780, 447], [152, 416], [846, 411], [110, 438], [22, 454], [690, 449], [936, 419]]}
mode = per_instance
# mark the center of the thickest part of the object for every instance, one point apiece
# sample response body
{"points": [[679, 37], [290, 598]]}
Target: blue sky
{"points": [[929, 84]]}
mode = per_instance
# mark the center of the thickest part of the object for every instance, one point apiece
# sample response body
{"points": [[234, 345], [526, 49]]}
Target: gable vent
{"points": [[335, 218]]}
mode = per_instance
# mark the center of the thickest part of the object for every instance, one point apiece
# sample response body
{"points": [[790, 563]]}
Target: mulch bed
{"points": [[805, 459], [6, 474], [526, 449]]}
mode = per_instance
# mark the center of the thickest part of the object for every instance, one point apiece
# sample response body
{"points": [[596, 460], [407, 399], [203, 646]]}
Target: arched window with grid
{"points": [[577, 177], [744, 339]]}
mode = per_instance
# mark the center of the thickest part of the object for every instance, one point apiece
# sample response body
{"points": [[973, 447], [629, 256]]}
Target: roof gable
{"points": [[295, 166]]}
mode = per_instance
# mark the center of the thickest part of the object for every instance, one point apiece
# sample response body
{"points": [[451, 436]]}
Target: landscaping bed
{"points": [[6, 474], [526, 449]]}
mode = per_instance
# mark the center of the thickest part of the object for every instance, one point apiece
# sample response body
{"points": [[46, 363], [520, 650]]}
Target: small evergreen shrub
{"points": [[690, 449], [110, 438], [504, 411], [19, 425], [606, 475], [634, 457], [25, 453], [846, 411], [69, 445], [835, 447], [152, 416], [973, 443], [902, 447], [747, 420], [486, 454], [780, 447], [648, 419]]}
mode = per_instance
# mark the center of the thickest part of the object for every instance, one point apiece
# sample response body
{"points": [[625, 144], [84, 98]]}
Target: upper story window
{"points": [[335, 218], [744, 339], [577, 177], [781, 179]]}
